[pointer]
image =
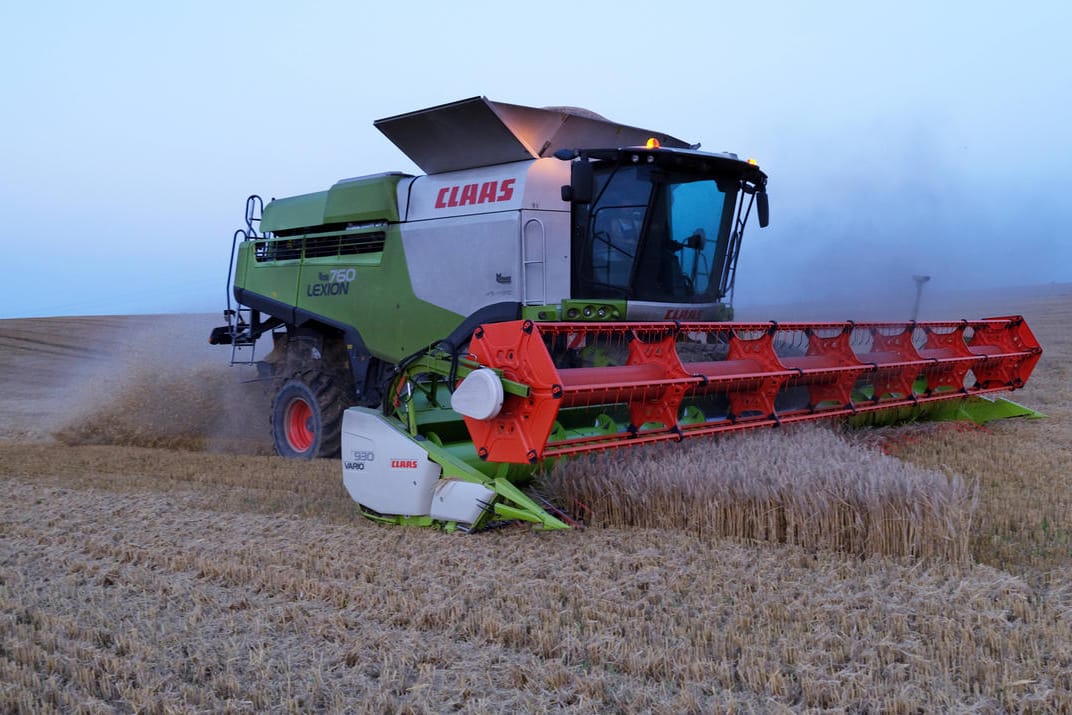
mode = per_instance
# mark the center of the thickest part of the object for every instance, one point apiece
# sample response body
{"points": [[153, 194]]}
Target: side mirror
{"points": [[582, 183], [762, 208]]}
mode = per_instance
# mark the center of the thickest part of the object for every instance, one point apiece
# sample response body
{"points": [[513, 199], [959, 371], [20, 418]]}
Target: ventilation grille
{"points": [[285, 249]]}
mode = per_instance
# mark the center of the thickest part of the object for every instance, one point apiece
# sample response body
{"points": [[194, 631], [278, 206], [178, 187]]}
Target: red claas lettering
{"points": [[471, 194]]}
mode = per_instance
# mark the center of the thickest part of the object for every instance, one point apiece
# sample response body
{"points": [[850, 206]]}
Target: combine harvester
{"points": [[555, 284]]}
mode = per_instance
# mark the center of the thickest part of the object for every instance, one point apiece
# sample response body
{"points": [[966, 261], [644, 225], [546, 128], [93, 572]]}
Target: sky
{"points": [[900, 138]]}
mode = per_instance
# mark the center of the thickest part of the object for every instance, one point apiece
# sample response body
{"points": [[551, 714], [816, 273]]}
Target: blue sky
{"points": [[900, 137]]}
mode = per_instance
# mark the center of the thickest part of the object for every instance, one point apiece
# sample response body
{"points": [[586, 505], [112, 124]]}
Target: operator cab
{"points": [[660, 226]]}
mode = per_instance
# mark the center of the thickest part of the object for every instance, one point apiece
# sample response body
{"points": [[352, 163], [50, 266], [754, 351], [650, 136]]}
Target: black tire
{"points": [[307, 416]]}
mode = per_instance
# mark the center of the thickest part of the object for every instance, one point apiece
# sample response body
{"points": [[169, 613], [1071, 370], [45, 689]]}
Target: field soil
{"points": [[155, 557]]}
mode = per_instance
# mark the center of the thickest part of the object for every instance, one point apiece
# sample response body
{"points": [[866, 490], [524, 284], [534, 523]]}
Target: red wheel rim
{"points": [[296, 423]]}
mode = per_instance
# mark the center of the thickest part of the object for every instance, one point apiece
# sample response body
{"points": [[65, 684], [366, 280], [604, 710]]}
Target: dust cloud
{"points": [[145, 381], [858, 209], [200, 408]]}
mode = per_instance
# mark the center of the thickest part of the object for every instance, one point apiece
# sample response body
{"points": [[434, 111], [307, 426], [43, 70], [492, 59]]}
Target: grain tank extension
{"points": [[554, 283]]}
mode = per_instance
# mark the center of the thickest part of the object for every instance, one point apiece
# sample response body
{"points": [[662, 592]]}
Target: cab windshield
{"points": [[654, 235]]}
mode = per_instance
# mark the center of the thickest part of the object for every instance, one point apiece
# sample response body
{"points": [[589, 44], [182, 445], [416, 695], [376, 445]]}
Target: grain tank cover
{"points": [[479, 132]]}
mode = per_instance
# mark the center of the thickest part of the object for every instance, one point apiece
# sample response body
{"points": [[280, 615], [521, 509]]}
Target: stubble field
{"points": [[155, 558]]}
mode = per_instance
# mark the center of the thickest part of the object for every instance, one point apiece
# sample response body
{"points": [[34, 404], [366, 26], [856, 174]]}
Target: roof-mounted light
{"points": [[753, 162], [652, 143]]}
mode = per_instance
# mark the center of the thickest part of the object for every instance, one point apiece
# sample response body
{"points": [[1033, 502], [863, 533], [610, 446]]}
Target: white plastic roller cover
{"points": [[480, 395]]}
